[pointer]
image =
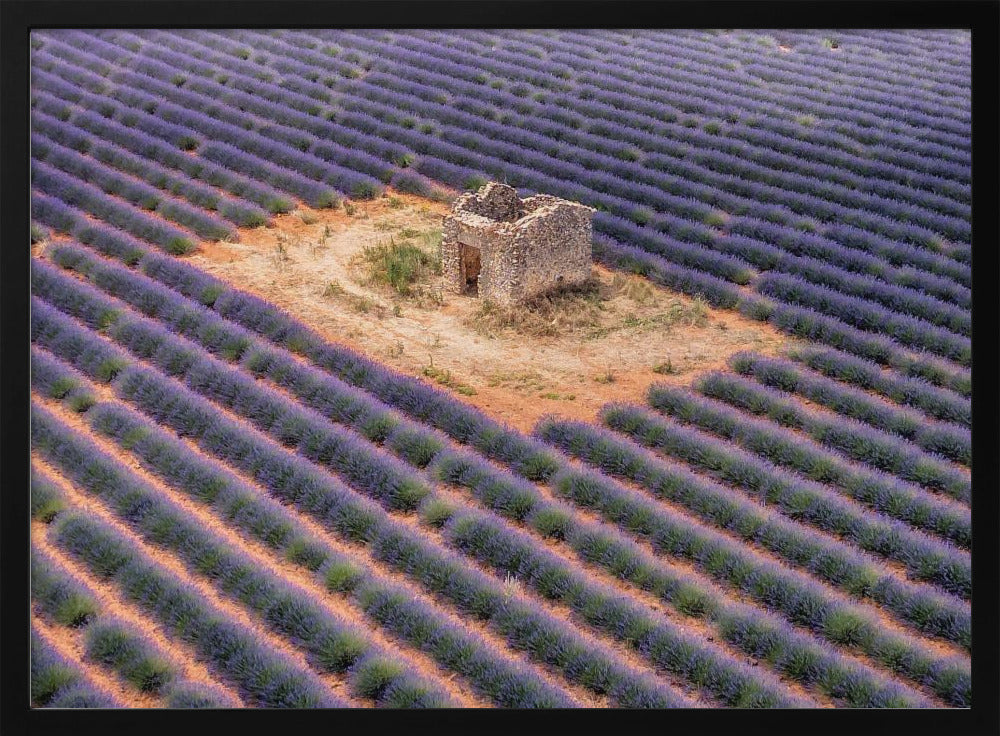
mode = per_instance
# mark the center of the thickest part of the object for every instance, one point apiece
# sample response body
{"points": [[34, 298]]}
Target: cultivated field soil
{"points": [[568, 354]]}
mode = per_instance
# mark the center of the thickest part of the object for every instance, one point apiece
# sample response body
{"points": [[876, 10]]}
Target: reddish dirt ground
{"points": [[513, 376]]}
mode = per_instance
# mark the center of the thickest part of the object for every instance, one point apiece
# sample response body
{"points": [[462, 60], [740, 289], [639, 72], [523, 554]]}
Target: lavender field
{"points": [[230, 509]]}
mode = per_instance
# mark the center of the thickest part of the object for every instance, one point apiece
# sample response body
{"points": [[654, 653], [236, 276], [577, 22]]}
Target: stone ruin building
{"points": [[500, 247]]}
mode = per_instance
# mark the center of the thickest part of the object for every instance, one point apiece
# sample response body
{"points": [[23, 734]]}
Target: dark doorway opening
{"points": [[470, 260]]}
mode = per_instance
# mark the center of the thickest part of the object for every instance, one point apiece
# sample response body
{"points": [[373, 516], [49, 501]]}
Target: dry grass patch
{"points": [[592, 310]]}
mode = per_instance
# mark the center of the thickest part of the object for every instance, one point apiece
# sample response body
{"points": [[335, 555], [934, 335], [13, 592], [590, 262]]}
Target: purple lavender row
{"points": [[751, 192], [44, 61], [617, 112], [641, 47], [890, 226], [860, 313], [505, 683], [349, 181], [299, 481], [933, 401], [505, 63], [924, 557], [350, 406], [740, 625], [76, 192], [342, 143], [62, 217], [901, 95], [373, 92], [946, 216], [687, 94], [305, 96], [356, 173], [56, 381], [397, 53], [809, 324], [186, 122], [954, 262], [903, 42], [143, 146], [805, 601], [299, 79], [188, 694], [56, 682], [297, 61], [884, 75], [366, 468], [92, 356], [805, 456], [620, 256], [333, 645], [360, 520], [133, 191], [931, 122], [856, 125], [937, 118], [89, 83], [152, 146], [107, 640], [857, 274], [583, 47], [74, 42], [848, 247], [230, 158], [934, 124], [265, 676], [850, 438], [239, 75], [47, 499], [242, 213], [193, 287], [651, 193], [541, 78], [948, 440], [639, 53], [319, 441], [900, 42], [951, 53], [133, 656]]}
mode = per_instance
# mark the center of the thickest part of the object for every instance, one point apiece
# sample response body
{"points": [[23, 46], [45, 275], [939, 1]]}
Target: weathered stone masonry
{"points": [[507, 249]]}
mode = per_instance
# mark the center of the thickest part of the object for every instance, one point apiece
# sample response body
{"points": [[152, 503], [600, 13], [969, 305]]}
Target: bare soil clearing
{"points": [[568, 356]]}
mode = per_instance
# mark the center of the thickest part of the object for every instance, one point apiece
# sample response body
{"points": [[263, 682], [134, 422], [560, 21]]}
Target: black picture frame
{"points": [[19, 17]]}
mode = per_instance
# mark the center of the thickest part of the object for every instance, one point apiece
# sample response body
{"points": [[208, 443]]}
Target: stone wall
{"points": [[526, 246]]}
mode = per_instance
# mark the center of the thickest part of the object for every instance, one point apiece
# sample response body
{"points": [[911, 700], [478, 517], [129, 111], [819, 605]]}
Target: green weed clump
{"points": [[398, 265], [445, 378]]}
